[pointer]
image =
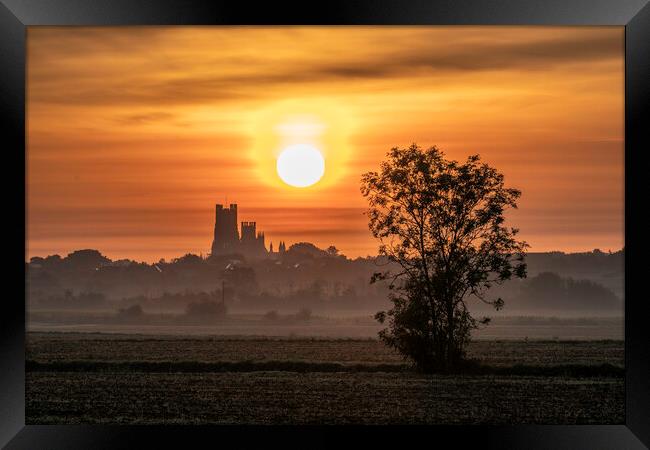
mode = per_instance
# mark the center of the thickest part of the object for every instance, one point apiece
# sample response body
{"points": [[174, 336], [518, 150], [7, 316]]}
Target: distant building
{"points": [[281, 249], [252, 242], [227, 240]]}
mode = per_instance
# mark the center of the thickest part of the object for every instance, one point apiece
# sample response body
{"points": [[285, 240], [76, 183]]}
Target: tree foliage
{"points": [[443, 223]]}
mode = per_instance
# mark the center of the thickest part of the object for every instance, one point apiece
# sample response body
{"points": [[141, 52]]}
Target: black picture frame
{"points": [[16, 15]]}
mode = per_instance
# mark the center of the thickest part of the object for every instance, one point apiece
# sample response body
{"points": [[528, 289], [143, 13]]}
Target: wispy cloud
{"points": [[137, 76]]}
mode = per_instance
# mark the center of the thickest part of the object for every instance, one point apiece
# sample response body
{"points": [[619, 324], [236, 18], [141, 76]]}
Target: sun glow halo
{"points": [[320, 125]]}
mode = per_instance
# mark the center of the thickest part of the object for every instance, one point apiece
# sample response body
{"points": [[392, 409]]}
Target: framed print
{"points": [[290, 223]]}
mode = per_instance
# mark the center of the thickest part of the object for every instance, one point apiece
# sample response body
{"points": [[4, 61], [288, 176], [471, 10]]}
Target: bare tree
{"points": [[443, 223]]}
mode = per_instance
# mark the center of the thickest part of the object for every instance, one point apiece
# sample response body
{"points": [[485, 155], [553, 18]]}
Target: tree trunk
{"points": [[450, 335]]}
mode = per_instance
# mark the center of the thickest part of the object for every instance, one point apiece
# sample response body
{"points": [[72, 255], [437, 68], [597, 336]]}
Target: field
{"points": [[327, 325], [109, 378]]}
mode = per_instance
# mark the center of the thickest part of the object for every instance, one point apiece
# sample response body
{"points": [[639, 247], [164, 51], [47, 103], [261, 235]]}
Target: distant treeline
{"points": [[305, 276]]}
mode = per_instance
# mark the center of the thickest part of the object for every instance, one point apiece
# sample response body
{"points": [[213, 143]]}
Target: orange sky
{"points": [[134, 133]]}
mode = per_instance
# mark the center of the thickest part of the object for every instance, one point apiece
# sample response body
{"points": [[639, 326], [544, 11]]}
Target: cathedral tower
{"points": [[226, 237]]}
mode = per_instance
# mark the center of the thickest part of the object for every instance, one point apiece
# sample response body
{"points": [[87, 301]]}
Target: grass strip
{"points": [[567, 370]]}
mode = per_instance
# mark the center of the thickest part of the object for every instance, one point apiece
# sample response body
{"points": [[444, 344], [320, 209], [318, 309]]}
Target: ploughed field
{"points": [[105, 378]]}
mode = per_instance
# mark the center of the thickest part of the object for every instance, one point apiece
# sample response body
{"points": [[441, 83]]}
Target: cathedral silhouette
{"points": [[227, 239]]}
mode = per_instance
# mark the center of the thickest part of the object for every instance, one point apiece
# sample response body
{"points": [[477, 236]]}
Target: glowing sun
{"points": [[300, 165]]}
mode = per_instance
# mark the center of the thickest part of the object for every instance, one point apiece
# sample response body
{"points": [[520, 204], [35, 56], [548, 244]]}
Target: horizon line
{"points": [[205, 255]]}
